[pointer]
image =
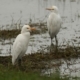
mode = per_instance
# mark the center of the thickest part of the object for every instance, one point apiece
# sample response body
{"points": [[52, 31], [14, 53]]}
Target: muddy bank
{"points": [[7, 34], [39, 60]]}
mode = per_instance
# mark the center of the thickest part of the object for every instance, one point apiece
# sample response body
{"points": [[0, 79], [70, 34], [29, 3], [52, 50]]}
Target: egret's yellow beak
{"points": [[50, 8], [33, 29]]}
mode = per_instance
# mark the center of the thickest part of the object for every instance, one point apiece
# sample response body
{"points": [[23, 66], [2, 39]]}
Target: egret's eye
{"points": [[27, 28]]}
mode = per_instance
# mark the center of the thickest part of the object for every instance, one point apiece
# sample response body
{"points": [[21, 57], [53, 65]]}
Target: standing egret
{"points": [[20, 44], [54, 23]]}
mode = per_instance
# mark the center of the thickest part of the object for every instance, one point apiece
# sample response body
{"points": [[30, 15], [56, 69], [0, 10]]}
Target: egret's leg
{"points": [[51, 42], [19, 62], [56, 42], [52, 45]]}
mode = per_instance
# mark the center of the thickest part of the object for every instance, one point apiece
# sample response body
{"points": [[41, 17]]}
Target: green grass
{"points": [[12, 74]]}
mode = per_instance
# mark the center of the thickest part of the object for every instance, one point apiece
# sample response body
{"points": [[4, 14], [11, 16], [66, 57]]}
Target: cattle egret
{"points": [[20, 44], [53, 23]]}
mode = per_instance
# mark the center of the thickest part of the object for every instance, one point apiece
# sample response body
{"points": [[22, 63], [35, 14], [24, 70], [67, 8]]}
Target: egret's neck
{"points": [[26, 33], [55, 11]]}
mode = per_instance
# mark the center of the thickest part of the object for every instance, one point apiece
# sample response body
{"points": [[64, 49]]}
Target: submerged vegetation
{"points": [[33, 64], [38, 60]]}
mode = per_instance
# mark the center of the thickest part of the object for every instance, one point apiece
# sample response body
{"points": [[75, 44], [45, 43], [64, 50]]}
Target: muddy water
{"points": [[21, 11]]}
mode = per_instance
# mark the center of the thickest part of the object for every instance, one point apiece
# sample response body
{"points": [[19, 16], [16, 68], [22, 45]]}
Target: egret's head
{"points": [[27, 28], [53, 8]]}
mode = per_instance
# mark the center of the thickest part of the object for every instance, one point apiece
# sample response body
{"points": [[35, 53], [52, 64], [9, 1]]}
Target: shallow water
{"points": [[12, 11], [21, 11], [68, 68]]}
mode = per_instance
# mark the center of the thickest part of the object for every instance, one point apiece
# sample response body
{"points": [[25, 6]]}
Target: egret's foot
{"points": [[51, 48], [52, 45], [19, 63], [56, 49]]}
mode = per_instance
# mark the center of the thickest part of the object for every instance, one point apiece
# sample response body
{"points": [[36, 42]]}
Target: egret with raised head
{"points": [[20, 44], [54, 23]]}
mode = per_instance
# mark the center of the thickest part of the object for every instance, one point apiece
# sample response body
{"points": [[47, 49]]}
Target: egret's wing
{"points": [[16, 51], [53, 24]]}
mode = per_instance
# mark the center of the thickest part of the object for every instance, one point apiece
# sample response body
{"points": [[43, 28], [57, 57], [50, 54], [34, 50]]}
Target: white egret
{"points": [[20, 44], [54, 23]]}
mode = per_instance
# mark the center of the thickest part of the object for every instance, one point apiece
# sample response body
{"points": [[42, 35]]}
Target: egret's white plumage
{"points": [[53, 23], [20, 44]]}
